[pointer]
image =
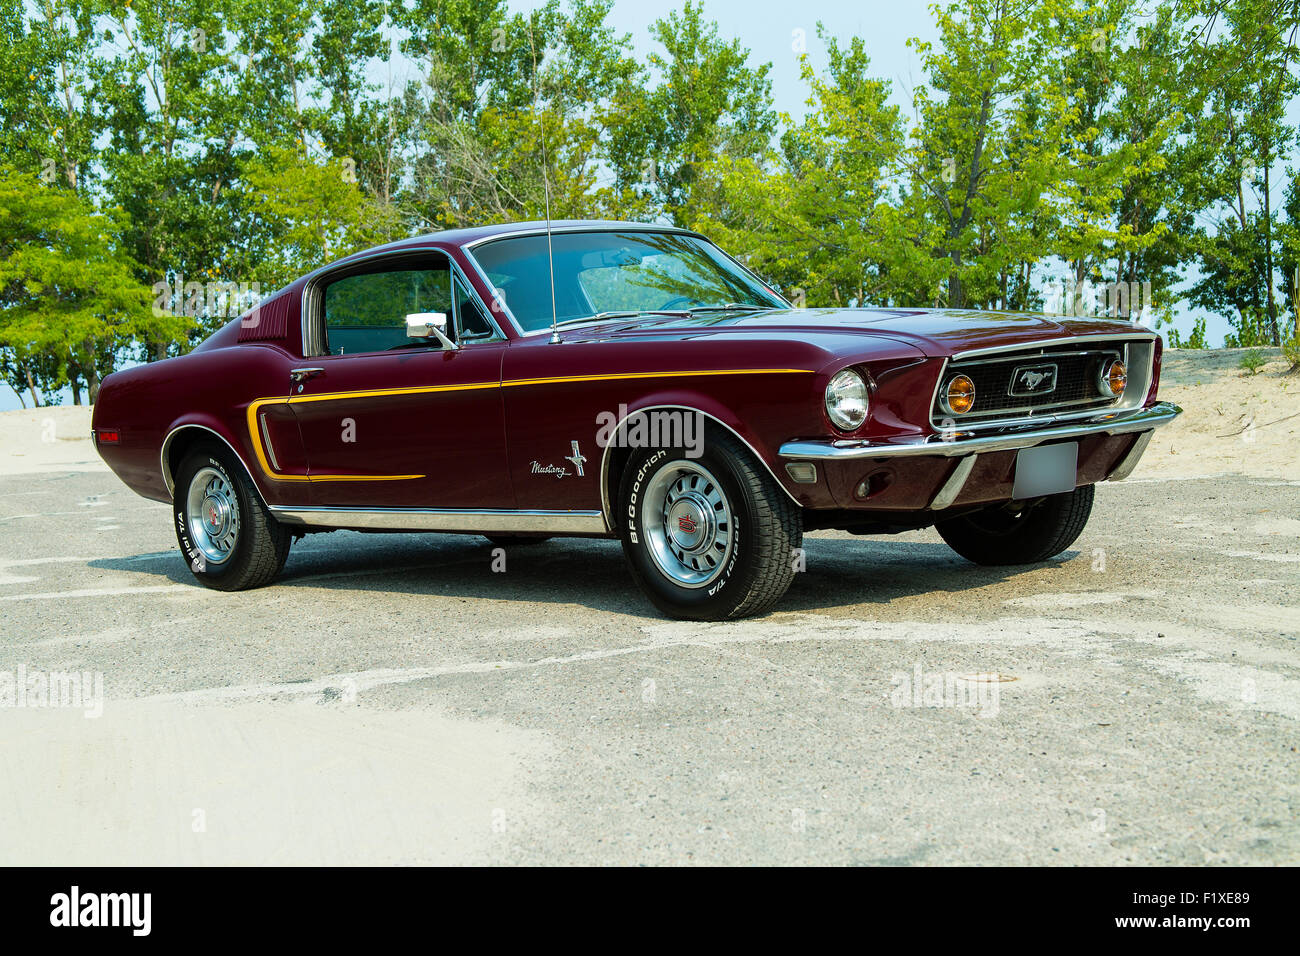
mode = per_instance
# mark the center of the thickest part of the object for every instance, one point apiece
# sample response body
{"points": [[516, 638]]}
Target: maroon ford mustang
{"points": [[629, 381]]}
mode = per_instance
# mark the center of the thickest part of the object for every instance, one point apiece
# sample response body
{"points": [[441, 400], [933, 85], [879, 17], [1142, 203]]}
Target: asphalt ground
{"points": [[392, 698]]}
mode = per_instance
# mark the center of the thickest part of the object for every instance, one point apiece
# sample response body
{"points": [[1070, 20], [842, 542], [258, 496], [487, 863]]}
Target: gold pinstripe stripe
{"points": [[256, 405]]}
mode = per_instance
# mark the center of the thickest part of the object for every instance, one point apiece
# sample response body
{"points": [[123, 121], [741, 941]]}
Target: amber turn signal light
{"points": [[959, 397], [1112, 377]]}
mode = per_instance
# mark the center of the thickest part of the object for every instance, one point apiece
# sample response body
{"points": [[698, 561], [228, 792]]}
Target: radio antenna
{"points": [[546, 183]]}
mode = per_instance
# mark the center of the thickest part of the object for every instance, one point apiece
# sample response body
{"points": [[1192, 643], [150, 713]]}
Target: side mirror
{"points": [[425, 325]]}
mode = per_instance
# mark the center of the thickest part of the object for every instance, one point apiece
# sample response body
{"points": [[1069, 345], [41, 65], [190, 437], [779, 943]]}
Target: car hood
{"points": [[936, 332]]}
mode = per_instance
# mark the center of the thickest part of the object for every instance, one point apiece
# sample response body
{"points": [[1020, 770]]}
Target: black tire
{"points": [[998, 536], [260, 544], [515, 540], [763, 530]]}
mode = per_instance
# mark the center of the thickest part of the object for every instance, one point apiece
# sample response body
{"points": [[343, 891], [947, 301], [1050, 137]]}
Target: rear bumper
{"points": [[938, 473], [1114, 423]]}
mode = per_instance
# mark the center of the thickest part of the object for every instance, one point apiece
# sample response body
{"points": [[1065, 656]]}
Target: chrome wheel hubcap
{"points": [[213, 515], [688, 524]]}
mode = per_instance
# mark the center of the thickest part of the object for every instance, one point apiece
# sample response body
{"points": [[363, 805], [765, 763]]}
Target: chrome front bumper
{"points": [[969, 447], [1114, 423]]}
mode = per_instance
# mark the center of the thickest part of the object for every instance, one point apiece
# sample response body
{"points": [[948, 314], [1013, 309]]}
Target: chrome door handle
{"points": [[302, 374]]}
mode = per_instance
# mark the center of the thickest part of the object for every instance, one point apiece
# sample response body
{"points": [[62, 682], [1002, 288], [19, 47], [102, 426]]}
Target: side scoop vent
{"points": [[269, 320]]}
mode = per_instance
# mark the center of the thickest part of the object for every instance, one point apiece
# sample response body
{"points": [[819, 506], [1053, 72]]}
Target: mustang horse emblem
{"points": [[1035, 380], [577, 458]]}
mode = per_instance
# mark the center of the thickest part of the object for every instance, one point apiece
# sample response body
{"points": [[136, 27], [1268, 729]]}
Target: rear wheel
{"points": [[225, 531], [1020, 533], [708, 538]]}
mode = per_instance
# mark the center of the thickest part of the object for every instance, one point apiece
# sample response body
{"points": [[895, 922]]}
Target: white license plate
{"points": [[1045, 470]]}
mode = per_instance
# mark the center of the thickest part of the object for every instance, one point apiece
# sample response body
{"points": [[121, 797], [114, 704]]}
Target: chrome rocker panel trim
{"points": [[1114, 423], [444, 519]]}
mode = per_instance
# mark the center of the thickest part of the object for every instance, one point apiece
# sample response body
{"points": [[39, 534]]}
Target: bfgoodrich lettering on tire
{"points": [[708, 538], [225, 531]]}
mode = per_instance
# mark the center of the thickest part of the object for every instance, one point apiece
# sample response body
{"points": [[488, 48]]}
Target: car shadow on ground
{"points": [[840, 572]]}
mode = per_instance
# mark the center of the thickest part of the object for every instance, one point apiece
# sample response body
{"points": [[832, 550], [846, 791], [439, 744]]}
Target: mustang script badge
{"points": [[578, 459]]}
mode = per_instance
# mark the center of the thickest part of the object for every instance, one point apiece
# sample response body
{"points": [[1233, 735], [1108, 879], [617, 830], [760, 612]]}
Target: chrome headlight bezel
{"points": [[945, 394], [847, 400], [1103, 377]]}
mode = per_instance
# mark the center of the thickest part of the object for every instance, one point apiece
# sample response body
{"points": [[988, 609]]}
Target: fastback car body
{"points": [[678, 404]]}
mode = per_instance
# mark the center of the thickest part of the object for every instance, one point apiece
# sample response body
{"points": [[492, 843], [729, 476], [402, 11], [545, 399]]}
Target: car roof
{"points": [[473, 234]]}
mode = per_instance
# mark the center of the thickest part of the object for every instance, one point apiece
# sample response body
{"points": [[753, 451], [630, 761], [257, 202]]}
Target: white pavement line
{"points": [[1070, 637], [1258, 556], [1163, 478], [111, 636], [26, 562], [103, 592], [39, 514], [706, 636]]}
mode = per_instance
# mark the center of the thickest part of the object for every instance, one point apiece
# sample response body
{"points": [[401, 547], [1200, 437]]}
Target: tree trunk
{"points": [[92, 374], [31, 387], [1273, 331], [956, 294]]}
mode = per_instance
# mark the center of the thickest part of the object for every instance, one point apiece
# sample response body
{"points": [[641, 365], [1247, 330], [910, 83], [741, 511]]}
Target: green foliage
{"points": [[249, 141], [307, 213], [1253, 361], [1242, 74], [817, 215], [1291, 351], [69, 304], [708, 102], [1194, 341]]}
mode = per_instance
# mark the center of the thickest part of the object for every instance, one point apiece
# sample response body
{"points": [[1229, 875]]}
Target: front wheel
{"points": [[709, 538], [1019, 533], [225, 531]]}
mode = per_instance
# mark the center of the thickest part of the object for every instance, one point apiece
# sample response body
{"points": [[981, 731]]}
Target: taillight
{"points": [[107, 436]]}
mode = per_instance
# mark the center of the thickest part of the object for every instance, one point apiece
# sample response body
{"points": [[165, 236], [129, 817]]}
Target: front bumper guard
{"points": [[968, 447]]}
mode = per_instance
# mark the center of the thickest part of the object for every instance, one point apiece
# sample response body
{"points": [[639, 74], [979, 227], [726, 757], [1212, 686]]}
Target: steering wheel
{"points": [[683, 299]]}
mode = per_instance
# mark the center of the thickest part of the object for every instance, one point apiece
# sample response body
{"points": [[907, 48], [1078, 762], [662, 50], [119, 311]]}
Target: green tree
{"points": [[70, 306], [309, 212], [708, 102], [1242, 57], [987, 148], [819, 216]]}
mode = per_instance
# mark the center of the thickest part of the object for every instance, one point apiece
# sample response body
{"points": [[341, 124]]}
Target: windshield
{"points": [[616, 273]]}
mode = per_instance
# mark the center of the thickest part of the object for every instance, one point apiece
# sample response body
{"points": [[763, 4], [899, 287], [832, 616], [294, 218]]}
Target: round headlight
{"points": [[1112, 377], [959, 395], [846, 400]]}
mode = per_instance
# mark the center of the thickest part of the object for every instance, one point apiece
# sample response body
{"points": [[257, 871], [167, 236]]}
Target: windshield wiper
{"points": [[731, 307], [601, 316]]}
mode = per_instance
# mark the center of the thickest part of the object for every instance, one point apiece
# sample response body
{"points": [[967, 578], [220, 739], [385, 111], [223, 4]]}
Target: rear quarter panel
{"points": [[211, 388]]}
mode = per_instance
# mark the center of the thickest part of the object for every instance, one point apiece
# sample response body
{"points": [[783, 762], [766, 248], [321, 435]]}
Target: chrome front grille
{"points": [[1036, 382]]}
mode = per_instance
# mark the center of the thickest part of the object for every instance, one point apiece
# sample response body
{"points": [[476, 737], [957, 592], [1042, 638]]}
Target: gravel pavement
{"points": [[394, 699]]}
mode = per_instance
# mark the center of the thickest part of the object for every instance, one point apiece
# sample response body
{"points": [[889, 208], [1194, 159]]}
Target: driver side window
{"points": [[367, 312]]}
